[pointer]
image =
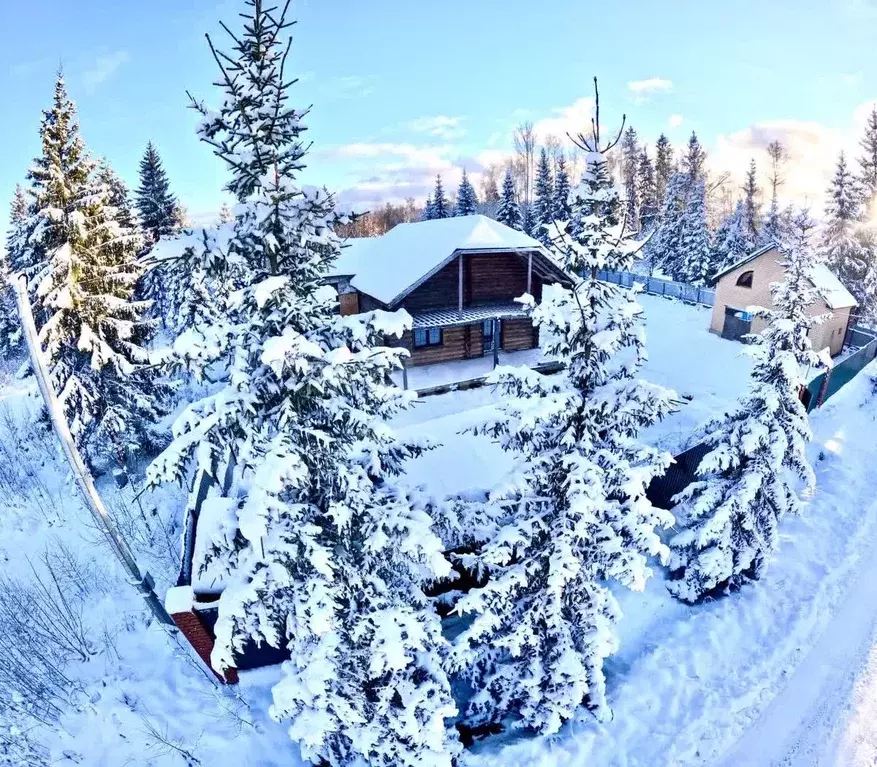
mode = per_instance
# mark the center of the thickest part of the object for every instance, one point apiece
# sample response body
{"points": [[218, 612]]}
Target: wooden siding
{"points": [[486, 279], [497, 277], [517, 335], [460, 343], [439, 291]]}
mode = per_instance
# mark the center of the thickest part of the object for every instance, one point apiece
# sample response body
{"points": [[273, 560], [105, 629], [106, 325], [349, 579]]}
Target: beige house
{"points": [[747, 283]]}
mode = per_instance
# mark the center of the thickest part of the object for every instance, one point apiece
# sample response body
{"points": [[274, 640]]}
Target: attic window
{"points": [[745, 280]]}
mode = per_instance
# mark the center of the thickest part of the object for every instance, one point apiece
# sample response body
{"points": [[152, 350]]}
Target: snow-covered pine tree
{"points": [[729, 515], [561, 210], [664, 167], [428, 210], [731, 242], [93, 329], [467, 200], [322, 553], [840, 247], [694, 160], [441, 207], [509, 212], [630, 157], [225, 214], [771, 229], [664, 247], [543, 206], [695, 255], [10, 328], [868, 163], [154, 200], [57, 177], [646, 194], [528, 219], [117, 197], [576, 517], [751, 206]]}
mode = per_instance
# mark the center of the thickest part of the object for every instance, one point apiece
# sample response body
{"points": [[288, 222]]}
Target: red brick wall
{"points": [[202, 640]]}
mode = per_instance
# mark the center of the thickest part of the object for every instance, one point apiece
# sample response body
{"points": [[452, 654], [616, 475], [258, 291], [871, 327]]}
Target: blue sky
{"points": [[402, 89]]}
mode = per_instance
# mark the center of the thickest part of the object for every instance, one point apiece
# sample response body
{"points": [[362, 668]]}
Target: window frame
{"points": [[742, 282], [432, 336]]}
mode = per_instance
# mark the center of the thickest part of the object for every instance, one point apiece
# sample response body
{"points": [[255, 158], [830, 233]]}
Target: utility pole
{"points": [[141, 581]]}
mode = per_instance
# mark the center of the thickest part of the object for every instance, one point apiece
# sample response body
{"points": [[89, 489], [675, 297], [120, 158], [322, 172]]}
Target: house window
{"points": [[487, 335], [424, 337], [745, 280]]}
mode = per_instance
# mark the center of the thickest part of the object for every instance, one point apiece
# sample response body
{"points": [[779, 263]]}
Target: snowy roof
{"points": [[835, 295], [391, 266]]}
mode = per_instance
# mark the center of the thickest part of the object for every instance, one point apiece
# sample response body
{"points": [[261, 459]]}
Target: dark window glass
{"points": [[745, 280]]}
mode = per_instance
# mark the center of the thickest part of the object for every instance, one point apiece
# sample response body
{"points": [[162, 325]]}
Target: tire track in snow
{"points": [[796, 728]]}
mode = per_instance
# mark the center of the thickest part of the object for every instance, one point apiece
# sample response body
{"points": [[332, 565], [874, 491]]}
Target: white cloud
{"points": [[103, 68], [351, 86], [812, 148], [440, 126], [651, 85], [675, 121], [573, 119]]}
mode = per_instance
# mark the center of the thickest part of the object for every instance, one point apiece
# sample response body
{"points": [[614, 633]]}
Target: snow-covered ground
{"points": [[707, 372], [765, 676], [135, 695], [784, 672]]}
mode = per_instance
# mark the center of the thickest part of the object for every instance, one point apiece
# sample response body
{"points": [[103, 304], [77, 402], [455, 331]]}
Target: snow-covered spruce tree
{"points": [[10, 328], [630, 158], [746, 483], [664, 167], [694, 160], [441, 207], [751, 206], [695, 256], [561, 210], [467, 200], [94, 329], [868, 163], [508, 212], [322, 553], [543, 205], [731, 242], [575, 517], [154, 200], [840, 247], [664, 247], [428, 210], [225, 214], [771, 229], [528, 219], [58, 177], [646, 194]]}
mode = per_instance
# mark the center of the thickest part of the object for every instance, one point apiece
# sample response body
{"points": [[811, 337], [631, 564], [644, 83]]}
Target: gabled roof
{"points": [[392, 265], [833, 292], [743, 261]]}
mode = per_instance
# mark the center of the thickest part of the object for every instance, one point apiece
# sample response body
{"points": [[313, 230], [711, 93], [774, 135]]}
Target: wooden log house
{"points": [[458, 278]]}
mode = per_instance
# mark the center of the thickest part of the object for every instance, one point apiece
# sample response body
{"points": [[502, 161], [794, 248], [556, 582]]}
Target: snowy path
{"points": [[797, 726]]}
